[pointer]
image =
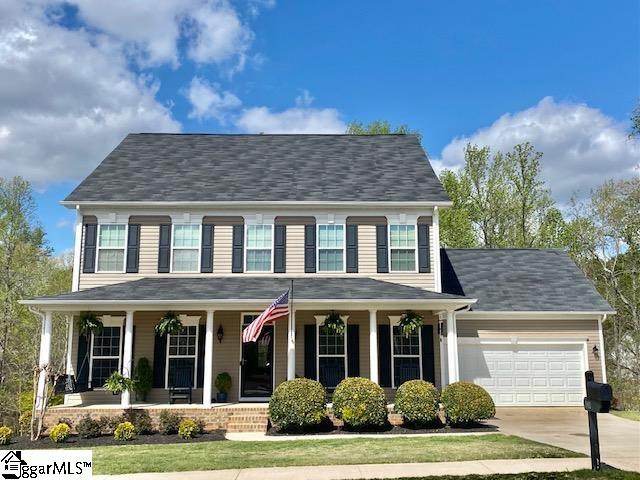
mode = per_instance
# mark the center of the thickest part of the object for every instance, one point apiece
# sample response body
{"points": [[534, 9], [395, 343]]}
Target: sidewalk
{"points": [[352, 472]]}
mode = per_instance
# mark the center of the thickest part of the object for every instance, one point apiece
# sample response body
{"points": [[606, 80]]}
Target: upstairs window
{"points": [[402, 246], [259, 246], [331, 248], [186, 248], [111, 247]]}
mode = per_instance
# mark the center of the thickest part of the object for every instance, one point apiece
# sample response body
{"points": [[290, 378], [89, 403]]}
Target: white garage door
{"points": [[525, 374]]}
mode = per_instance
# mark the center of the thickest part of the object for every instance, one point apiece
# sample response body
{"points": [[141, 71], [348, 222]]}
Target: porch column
{"points": [[127, 357], [444, 371], [69, 359], [45, 358], [291, 346], [452, 347], [208, 361], [373, 346]]}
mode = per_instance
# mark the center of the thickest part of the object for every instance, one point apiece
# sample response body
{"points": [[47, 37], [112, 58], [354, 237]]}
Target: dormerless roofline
{"points": [[231, 204]]}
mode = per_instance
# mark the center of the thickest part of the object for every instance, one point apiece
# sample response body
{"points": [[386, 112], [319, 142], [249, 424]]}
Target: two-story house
{"points": [[215, 227]]}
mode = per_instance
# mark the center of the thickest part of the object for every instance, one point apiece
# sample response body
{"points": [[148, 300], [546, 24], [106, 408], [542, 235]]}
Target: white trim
{"points": [[246, 248], [124, 248], [528, 315], [394, 320], [187, 321], [273, 361], [415, 248], [107, 321], [300, 204], [319, 322], [603, 364], [374, 363], [344, 247], [69, 370], [77, 250], [199, 248], [207, 390], [435, 231]]}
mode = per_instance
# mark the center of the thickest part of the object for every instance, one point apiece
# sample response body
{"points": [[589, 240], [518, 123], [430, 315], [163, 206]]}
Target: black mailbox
{"points": [[599, 395]]}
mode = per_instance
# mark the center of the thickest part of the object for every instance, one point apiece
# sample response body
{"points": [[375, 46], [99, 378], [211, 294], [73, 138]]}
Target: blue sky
{"points": [[562, 74]]}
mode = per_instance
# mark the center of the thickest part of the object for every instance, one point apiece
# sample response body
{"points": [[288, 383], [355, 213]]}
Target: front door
{"points": [[256, 364]]}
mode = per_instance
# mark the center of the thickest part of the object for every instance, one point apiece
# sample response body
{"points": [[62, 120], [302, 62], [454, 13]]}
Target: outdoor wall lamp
{"points": [[220, 334], [596, 352]]}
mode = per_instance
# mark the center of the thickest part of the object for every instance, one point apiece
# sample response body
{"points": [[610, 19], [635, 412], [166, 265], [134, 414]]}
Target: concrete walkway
{"points": [[397, 470], [567, 427]]}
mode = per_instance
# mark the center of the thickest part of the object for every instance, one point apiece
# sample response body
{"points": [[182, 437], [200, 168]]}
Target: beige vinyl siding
{"points": [[543, 329], [295, 249]]}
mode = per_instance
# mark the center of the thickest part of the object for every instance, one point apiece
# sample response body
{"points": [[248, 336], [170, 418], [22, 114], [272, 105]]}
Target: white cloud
{"points": [[304, 100], [67, 98], [63, 223], [208, 102], [581, 145]]}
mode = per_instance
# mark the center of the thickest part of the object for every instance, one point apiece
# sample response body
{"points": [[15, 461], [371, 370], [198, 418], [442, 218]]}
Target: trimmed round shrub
{"points": [[466, 403], [298, 405], [188, 429], [418, 402], [125, 431], [60, 432], [360, 403], [87, 427], [5, 435], [169, 422]]}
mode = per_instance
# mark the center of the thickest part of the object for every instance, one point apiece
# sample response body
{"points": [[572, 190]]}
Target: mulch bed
{"points": [[24, 443]]}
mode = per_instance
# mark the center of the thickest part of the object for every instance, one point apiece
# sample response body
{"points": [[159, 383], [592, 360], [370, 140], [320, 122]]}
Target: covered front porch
{"points": [[213, 313]]}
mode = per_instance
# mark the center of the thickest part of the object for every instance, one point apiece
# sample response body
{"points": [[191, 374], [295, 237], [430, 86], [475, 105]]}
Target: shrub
{"points": [[466, 402], [187, 429], [360, 403], [109, 424], [169, 422], [5, 435], [89, 428], [418, 402], [140, 419], [66, 420], [298, 404], [60, 432], [223, 382], [143, 378], [125, 431]]}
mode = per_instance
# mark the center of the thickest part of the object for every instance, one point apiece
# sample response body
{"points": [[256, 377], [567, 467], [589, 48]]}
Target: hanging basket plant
{"points": [[410, 322], [168, 324], [89, 323], [118, 383], [334, 323]]}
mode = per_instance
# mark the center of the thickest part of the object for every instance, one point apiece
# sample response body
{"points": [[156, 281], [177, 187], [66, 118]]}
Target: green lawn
{"points": [[628, 414], [577, 475], [344, 451]]}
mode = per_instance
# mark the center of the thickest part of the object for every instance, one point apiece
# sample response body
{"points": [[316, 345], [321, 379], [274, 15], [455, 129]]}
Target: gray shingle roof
{"points": [[519, 280], [251, 288], [222, 168]]}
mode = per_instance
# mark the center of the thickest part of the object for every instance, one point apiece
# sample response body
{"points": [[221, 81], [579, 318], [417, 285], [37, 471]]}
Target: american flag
{"points": [[279, 308]]}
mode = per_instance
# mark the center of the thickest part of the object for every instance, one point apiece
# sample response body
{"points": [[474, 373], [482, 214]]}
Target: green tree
{"points": [[635, 122], [456, 227], [380, 127]]}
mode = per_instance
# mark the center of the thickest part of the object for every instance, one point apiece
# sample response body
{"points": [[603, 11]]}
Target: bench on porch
{"points": [[180, 384]]}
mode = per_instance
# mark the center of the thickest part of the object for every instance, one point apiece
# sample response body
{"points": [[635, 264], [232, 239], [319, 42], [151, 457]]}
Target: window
{"points": [[331, 248], [402, 243], [332, 358], [105, 355], [186, 248], [406, 355], [111, 247], [182, 352], [259, 248]]}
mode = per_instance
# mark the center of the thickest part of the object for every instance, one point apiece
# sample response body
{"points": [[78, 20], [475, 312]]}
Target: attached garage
{"points": [[526, 374]]}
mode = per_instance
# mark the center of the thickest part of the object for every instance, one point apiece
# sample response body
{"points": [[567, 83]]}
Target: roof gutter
{"points": [[243, 204]]}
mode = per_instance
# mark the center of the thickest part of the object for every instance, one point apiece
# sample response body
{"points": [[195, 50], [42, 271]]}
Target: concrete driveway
{"points": [[568, 428]]}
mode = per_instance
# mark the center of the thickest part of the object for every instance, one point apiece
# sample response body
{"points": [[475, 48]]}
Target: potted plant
{"points": [[143, 378], [334, 322], [168, 324], [118, 383], [410, 322], [223, 384]]}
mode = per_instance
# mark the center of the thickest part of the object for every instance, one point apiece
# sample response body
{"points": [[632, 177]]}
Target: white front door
{"points": [[521, 374]]}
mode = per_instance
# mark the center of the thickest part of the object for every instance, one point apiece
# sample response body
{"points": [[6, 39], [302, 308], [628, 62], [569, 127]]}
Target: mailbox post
{"points": [[598, 400]]}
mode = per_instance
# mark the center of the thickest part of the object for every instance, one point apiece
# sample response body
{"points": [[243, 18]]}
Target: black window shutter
{"points": [[310, 249], [280, 249], [310, 352], [353, 350], [352, 248], [90, 240], [201, 335], [382, 252], [206, 260], [82, 369], [237, 260], [164, 249], [428, 365], [424, 260], [384, 355], [133, 248], [159, 360]]}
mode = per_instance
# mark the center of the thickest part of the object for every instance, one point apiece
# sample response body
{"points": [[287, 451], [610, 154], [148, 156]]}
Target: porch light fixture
{"points": [[595, 351], [220, 334]]}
